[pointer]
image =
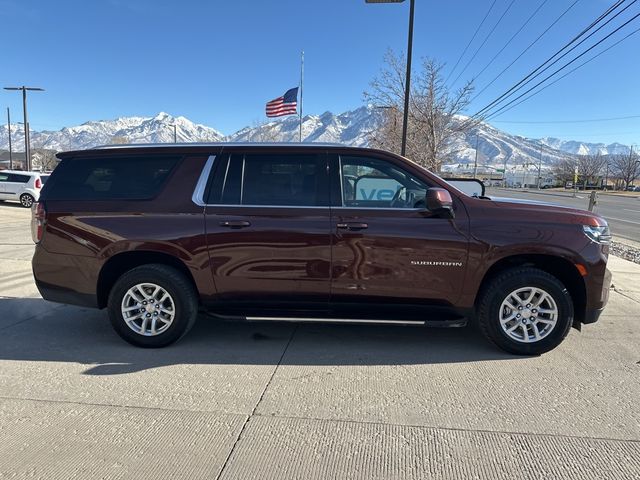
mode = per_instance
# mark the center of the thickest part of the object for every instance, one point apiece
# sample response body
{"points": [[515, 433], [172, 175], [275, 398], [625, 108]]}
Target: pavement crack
{"points": [[253, 412]]}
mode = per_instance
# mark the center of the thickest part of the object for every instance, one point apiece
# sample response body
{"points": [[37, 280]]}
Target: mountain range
{"points": [[351, 128]]}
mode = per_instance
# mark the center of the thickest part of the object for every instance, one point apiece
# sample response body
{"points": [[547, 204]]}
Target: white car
{"points": [[23, 187]]}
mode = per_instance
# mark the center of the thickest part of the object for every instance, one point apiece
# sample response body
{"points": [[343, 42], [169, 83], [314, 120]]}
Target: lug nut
{"points": [[534, 311], [520, 307], [518, 315], [528, 305], [144, 303]]}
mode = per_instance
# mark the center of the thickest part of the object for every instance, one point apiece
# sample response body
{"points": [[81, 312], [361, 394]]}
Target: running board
{"points": [[457, 322]]}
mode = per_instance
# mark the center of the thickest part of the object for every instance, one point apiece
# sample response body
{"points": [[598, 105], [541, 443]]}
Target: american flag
{"points": [[284, 105]]}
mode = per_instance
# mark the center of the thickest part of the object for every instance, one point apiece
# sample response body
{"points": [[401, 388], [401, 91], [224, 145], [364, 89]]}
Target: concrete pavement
{"points": [[273, 401]]}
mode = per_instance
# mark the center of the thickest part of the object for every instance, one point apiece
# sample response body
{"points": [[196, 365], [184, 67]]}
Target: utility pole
{"points": [[10, 149], [27, 140], [504, 170], [407, 87], [540, 168], [475, 163]]}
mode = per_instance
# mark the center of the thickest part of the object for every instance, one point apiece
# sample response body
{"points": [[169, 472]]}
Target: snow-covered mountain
{"points": [[158, 129], [352, 128], [584, 148]]}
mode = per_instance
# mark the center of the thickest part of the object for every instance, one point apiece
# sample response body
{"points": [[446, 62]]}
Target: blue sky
{"points": [[218, 62]]}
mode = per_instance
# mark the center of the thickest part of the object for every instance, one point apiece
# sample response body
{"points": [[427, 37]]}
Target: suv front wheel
{"points": [[525, 311], [152, 306]]}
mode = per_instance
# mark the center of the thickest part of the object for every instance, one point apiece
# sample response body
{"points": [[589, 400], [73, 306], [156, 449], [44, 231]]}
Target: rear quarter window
{"points": [[100, 178], [17, 178]]}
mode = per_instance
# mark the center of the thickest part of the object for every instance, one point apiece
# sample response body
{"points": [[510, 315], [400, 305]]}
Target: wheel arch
{"points": [[122, 262], [561, 268]]}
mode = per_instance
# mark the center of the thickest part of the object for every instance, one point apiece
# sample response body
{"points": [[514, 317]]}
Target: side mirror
{"points": [[439, 202]]}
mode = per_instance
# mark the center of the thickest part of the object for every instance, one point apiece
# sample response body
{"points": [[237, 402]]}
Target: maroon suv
{"points": [[308, 232]]}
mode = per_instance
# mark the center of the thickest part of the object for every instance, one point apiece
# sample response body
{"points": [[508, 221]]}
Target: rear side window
{"points": [[270, 180], [17, 178], [135, 178], [4, 177]]}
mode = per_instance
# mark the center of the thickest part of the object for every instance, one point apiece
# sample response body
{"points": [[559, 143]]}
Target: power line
{"points": [[574, 47], [512, 37], [502, 109], [569, 73], [484, 41], [526, 49], [588, 120], [470, 41], [567, 45]]}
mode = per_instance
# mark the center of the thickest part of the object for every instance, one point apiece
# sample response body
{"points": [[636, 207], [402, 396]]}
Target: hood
{"points": [[536, 211]]}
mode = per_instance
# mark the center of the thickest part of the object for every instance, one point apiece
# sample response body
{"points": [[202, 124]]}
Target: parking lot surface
{"points": [[280, 400]]}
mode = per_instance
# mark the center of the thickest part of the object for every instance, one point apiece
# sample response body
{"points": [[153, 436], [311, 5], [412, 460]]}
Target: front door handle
{"points": [[235, 224], [352, 226]]}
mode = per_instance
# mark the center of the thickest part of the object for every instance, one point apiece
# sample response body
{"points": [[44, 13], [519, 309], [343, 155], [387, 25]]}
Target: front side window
{"points": [[269, 180], [375, 183]]}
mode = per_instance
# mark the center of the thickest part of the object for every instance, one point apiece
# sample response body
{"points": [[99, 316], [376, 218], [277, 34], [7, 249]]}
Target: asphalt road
{"points": [[280, 401], [622, 213]]}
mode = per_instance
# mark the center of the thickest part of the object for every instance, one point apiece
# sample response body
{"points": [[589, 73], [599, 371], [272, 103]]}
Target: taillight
{"points": [[38, 183], [38, 217]]}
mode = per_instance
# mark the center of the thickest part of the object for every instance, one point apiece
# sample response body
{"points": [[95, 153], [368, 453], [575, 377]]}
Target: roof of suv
{"points": [[199, 147]]}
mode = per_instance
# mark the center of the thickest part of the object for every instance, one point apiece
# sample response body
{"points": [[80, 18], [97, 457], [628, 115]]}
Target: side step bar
{"points": [[456, 322]]}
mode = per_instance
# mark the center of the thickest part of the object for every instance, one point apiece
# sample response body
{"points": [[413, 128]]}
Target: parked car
{"points": [[20, 186], [313, 232], [632, 188]]}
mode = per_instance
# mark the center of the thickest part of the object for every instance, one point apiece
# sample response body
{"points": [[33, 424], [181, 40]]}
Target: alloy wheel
{"points": [[528, 314], [148, 309]]}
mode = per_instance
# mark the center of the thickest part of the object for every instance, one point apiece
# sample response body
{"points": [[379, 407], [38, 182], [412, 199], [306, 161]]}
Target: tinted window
{"points": [[44, 178], [15, 177], [371, 182], [110, 178], [273, 179]]}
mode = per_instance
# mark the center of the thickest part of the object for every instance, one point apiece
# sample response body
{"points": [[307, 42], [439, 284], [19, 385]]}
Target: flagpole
{"points": [[301, 83]]}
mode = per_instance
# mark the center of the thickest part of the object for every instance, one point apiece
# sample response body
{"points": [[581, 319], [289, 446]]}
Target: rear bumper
{"points": [[66, 279], [54, 293]]}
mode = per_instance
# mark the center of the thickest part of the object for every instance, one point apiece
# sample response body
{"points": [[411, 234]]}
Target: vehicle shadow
{"points": [[84, 336]]}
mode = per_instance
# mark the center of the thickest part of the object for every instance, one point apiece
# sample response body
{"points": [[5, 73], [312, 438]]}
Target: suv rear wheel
{"points": [[525, 311], [152, 306]]}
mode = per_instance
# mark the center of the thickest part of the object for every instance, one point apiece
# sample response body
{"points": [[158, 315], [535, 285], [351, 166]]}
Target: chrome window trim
{"points": [[313, 206], [198, 193]]}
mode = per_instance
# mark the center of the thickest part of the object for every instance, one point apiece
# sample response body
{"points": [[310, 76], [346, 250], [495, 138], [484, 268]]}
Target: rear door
{"points": [[388, 249], [268, 230], [15, 185]]}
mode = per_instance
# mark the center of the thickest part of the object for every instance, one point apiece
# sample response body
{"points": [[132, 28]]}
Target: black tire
{"points": [[175, 284], [26, 200], [497, 290]]}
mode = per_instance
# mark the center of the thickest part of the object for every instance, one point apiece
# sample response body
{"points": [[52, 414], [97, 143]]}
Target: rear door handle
{"points": [[235, 224], [352, 226]]}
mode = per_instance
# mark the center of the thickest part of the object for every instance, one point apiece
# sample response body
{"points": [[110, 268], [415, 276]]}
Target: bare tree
{"points": [[626, 167], [435, 127], [589, 167]]}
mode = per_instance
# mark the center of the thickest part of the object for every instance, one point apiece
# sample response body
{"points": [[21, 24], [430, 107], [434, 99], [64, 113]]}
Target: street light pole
{"points": [[27, 142], [407, 88], [9, 131]]}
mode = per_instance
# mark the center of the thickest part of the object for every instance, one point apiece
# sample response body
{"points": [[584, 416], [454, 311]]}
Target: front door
{"points": [[388, 249], [268, 230]]}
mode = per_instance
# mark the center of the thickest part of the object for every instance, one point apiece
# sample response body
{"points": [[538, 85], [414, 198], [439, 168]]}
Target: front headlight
{"points": [[599, 234]]}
